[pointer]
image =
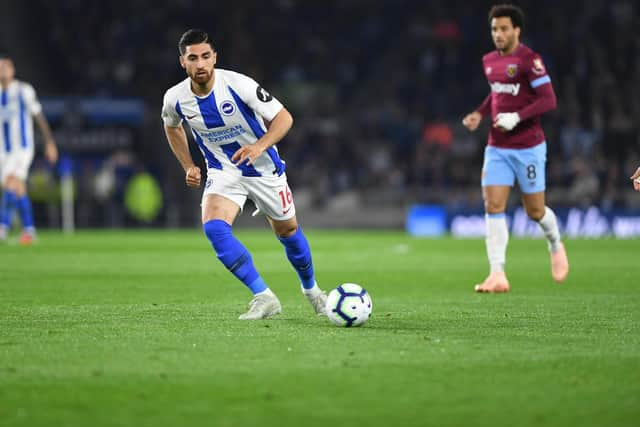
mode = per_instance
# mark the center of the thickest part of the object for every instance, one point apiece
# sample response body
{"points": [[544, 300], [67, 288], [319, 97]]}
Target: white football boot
{"points": [[317, 298], [262, 306]]}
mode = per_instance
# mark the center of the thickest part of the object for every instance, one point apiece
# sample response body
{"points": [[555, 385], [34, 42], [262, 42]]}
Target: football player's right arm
{"points": [[178, 139], [472, 120], [179, 145]]}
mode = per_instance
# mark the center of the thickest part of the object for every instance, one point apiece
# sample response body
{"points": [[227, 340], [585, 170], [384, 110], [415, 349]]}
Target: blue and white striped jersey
{"points": [[18, 105], [231, 116]]}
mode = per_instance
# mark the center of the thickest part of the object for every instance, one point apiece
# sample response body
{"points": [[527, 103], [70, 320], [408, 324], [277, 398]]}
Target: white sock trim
{"points": [[313, 291], [266, 292], [497, 237], [549, 225]]}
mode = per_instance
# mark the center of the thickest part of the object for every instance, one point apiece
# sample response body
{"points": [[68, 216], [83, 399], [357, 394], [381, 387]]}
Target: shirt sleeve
{"points": [[485, 108], [540, 82], [31, 100], [257, 98], [545, 100], [170, 115], [536, 72]]}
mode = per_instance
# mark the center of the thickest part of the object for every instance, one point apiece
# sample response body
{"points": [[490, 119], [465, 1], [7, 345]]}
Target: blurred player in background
{"points": [[18, 106], [636, 179], [236, 124], [521, 91]]}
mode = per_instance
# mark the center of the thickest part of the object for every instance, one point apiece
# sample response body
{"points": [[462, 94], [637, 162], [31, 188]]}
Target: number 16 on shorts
{"points": [[286, 198]]}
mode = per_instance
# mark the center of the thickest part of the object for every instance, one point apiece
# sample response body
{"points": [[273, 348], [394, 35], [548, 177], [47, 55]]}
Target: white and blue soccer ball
{"points": [[349, 305]]}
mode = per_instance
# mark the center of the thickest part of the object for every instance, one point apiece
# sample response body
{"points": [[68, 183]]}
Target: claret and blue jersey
{"points": [[514, 81], [229, 117]]}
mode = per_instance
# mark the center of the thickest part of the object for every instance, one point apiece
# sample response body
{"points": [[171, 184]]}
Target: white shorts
{"points": [[16, 164], [270, 194]]}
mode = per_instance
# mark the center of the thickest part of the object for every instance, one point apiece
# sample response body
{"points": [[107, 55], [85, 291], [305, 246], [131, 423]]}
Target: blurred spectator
{"points": [[584, 187], [576, 141]]}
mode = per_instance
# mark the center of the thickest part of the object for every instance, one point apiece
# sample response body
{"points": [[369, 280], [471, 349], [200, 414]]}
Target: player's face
{"points": [[504, 35], [198, 61], [7, 70]]}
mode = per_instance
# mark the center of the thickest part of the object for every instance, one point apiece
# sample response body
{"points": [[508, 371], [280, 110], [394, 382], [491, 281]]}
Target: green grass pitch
{"points": [[140, 328]]}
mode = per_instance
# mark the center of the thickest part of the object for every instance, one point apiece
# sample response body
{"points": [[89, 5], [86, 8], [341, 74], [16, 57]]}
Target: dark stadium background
{"points": [[132, 321], [377, 90]]}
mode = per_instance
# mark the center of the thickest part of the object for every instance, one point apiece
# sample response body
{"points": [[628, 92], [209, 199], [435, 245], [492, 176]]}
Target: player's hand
{"points": [[506, 121], [636, 180], [247, 153], [472, 120], [51, 152], [193, 176]]}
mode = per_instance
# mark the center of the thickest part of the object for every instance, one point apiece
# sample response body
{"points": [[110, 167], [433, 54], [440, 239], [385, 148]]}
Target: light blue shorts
{"points": [[502, 166]]}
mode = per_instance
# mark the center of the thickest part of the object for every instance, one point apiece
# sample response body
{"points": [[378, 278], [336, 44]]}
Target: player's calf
{"points": [[298, 253], [233, 255]]}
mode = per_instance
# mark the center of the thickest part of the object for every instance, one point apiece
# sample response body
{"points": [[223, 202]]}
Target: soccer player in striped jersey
{"points": [[18, 107], [236, 124], [521, 91]]}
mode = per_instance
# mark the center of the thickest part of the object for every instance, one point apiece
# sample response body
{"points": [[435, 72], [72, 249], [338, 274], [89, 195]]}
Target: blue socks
{"points": [[237, 259], [8, 204], [233, 255], [26, 213], [299, 255]]}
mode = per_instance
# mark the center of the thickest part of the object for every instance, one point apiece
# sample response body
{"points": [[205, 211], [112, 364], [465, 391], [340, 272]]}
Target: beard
{"points": [[507, 44], [202, 77]]}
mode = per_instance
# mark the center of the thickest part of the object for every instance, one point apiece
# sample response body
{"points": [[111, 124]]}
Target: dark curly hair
{"points": [[508, 10]]}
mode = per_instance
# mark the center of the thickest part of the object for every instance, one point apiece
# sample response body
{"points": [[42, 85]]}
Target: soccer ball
{"points": [[349, 305]]}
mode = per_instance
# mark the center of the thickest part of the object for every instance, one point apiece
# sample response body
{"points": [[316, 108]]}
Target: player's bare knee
{"points": [[20, 188], [286, 231], [492, 207], [535, 212], [10, 183]]}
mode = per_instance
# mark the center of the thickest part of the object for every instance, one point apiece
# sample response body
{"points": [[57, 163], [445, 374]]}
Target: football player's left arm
{"points": [[277, 129], [35, 109], [50, 148], [544, 100]]}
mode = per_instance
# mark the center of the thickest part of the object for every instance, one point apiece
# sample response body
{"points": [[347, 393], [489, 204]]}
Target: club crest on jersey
{"points": [[227, 108], [488, 70], [512, 70], [538, 67], [263, 95]]}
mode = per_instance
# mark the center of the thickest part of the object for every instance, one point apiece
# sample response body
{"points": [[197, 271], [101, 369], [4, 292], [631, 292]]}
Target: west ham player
{"points": [[521, 91], [236, 124], [18, 106]]}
